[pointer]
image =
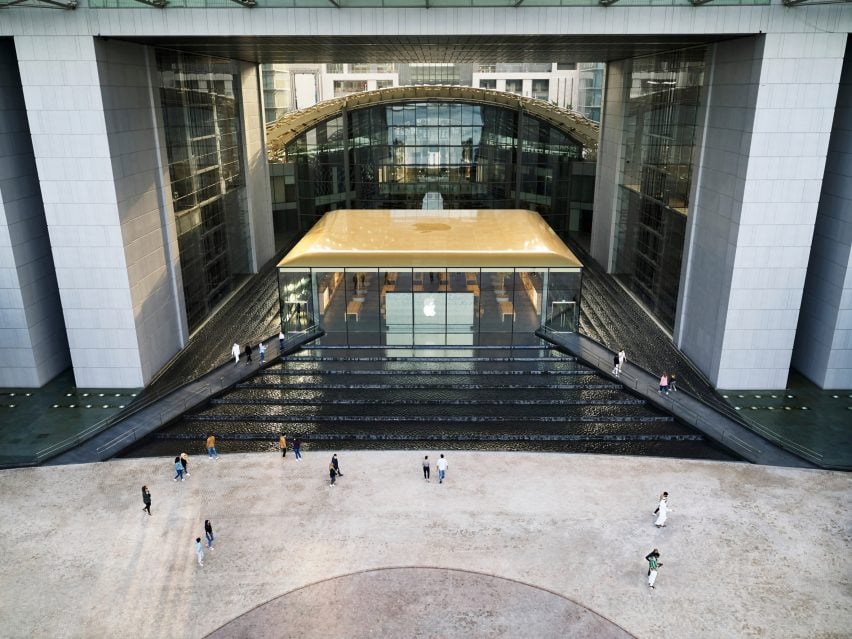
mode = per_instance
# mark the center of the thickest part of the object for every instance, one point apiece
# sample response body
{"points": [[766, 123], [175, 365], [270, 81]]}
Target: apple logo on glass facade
{"points": [[429, 307]]}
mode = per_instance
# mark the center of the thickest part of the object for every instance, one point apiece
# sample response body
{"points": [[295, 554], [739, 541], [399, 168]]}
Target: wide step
{"points": [[495, 398]]}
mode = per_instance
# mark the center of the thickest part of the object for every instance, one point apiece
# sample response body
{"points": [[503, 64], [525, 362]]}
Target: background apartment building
{"points": [[569, 85]]}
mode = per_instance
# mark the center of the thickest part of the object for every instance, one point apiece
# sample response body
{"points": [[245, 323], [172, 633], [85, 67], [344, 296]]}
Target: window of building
{"points": [[488, 84], [655, 174], [515, 86], [348, 87], [541, 89], [201, 116]]}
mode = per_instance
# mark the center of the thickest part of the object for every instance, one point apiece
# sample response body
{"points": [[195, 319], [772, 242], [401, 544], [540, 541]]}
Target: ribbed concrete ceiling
{"points": [[414, 49]]}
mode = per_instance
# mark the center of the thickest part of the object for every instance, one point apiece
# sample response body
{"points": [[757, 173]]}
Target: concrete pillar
{"points": [[33, 347], [258, 195], [756, 186], [100, 165], [608, 171], [823, 350]]}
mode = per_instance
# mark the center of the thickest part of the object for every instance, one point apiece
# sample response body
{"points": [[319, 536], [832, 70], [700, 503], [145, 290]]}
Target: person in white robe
{"points": [[662, 513]]}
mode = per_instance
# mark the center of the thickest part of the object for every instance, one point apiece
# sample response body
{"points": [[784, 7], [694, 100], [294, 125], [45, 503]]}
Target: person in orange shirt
{"points": [[211, 447]]}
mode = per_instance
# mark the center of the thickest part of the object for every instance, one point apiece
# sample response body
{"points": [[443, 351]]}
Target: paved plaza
{"points": [[511, 545]]}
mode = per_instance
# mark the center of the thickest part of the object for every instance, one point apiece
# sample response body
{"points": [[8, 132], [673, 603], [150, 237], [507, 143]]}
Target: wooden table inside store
{"points": [[353, 309]]}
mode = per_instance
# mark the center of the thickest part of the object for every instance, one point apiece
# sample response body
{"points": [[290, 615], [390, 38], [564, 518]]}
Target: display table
{"points": [[353, 309], [507, 309]]}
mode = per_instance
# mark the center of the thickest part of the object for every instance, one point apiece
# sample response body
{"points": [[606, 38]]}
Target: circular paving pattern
{"points": [[420, 602]]}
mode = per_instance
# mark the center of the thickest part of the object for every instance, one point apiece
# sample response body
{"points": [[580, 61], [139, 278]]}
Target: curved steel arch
{"points": [[288, 128]]}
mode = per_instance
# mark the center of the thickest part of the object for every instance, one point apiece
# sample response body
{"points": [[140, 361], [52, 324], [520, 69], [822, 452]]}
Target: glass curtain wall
{"points": [[403, 306], [591, 90], [656, 175], [201, 115], [392, 155]]}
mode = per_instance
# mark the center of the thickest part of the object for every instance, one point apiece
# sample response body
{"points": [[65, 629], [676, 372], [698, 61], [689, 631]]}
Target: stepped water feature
{"points": [[498, 398]]}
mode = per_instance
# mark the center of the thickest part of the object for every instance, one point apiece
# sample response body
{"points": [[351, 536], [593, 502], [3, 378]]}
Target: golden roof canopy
{"points": [[431, 239]]}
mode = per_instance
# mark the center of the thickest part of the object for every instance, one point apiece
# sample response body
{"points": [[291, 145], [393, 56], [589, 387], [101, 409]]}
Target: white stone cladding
{"points": [[143, 194], [770, 102], [93, 139], [33, 347], [823, 350], [608, 172], [258, 194]]}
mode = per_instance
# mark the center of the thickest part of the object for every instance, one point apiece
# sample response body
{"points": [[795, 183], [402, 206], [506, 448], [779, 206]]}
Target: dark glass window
{"points": [[201, 117], [467, 152], [660, 120]]}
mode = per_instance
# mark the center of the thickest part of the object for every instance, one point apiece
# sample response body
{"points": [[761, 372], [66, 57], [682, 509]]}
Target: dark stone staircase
{"points": [[497, 398]]}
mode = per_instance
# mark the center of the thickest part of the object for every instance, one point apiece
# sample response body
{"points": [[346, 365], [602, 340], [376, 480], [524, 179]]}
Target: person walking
{"points": [[235, 351], [442, 468], [146, 499], [199, 551], [184, 461], [280, 342], [622, 356], [331, 473], [426, 468], [282, 444], [261, 349], [663, 495], [178, 469], [672, 383], [248, 354], [211, 447], [208, 533], [297, 449], [336, 465], [615, 370], [662, 511], [664, 384], [653, 559]]}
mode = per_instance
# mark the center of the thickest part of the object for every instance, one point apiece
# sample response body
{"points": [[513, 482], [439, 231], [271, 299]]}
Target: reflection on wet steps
{"points": [[525, 398]]}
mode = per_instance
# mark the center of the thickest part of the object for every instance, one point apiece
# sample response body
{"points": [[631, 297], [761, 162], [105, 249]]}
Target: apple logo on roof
{"points": [[429, 307], [430, 227]]}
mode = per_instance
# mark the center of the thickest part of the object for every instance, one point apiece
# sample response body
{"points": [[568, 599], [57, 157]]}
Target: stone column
{"points": [[770, 101], [608, 171], [100, 165], [823, 349], [33, 347], [258, 194]]}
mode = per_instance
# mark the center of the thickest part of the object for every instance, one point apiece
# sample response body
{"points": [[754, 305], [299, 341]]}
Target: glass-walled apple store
{"points": [[429, 306], [430, 277]]}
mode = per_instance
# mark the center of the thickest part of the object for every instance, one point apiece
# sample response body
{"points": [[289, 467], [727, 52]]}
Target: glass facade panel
{"points": [[402, 306], [395, 154], [201, 117], [296, 300], [655, 176], [562, 295]]}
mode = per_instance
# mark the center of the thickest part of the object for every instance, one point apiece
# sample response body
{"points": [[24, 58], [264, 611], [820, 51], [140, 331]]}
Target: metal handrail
{"points": [[693, 418], [133, 434], [16, 461], [207, 391]]}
